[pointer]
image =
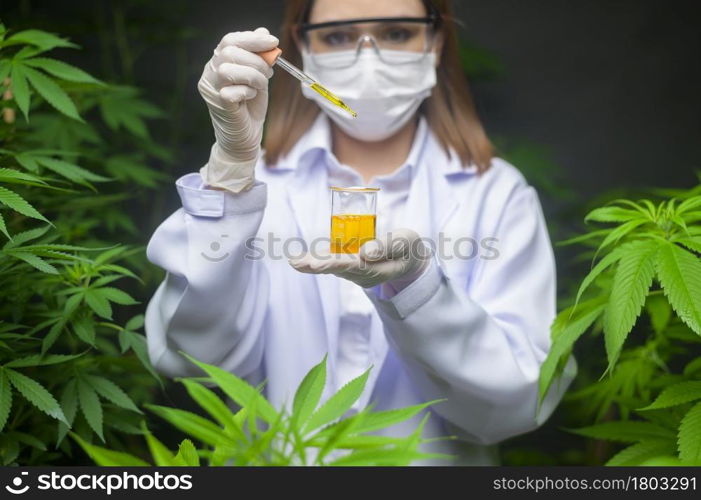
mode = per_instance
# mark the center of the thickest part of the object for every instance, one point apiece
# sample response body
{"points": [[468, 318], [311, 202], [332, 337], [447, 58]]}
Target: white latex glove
{"points": [[234, 85], [395, 260]]}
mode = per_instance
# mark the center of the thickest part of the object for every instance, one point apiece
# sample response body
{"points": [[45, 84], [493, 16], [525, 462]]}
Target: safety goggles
{"points": [[412, 36]]}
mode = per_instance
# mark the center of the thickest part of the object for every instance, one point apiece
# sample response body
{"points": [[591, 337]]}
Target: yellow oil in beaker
{"points": [[350, 231]]}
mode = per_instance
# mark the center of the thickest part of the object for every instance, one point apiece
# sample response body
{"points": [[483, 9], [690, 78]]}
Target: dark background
{"points": [[611, 87]]}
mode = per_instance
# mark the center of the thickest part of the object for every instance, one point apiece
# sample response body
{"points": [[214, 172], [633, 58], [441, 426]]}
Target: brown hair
{"points": [[449, 110]]}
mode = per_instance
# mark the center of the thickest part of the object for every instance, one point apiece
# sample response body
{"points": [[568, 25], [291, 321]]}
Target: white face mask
{"points": [[385, 96]]}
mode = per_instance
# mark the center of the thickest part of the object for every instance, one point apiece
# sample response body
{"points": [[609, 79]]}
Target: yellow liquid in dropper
{"points": [[328, 95]]}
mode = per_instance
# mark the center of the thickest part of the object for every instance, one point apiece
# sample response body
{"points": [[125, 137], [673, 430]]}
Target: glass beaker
{"points": [[353, 217]]}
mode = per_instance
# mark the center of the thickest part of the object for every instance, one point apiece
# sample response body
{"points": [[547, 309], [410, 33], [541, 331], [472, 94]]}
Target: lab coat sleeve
{"points": [[480, 344], [213, 299]]}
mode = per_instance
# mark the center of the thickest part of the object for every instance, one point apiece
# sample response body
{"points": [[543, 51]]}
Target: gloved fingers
{"points": [[242, 75], [373, 251], [259, 40], [237, 55], [402, 243], [328, 263], [233, 95], [206, 84]]}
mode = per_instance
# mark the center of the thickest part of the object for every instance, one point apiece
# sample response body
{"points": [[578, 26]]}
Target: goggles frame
{"points": [[431, 21]]}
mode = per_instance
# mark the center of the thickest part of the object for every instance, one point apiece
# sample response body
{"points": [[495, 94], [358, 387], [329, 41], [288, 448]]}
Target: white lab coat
{"points": [[472, 330]]}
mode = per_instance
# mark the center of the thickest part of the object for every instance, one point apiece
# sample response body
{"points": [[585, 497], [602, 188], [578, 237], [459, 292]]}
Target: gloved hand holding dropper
{"points": [[234, 85]]}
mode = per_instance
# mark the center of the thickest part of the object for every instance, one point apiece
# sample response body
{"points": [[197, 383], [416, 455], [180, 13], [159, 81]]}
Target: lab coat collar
{"points": [[317, 141]]}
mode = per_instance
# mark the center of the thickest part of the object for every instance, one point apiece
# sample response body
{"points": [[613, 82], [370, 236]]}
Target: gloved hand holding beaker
{"points": [[234, 85], [395, 260]]}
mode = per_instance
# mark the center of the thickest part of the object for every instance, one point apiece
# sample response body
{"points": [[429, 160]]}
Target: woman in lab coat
{"points": [[455, 297]]}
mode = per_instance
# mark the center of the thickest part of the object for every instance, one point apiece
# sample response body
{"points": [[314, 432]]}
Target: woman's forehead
{"points": [[338, 10]]}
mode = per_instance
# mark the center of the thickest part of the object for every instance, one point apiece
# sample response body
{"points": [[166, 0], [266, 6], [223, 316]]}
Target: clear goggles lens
{"points": [[414, 39]]}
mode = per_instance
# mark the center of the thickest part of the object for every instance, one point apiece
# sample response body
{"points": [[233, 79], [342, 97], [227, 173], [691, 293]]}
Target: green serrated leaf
{"points": [[361, 442], [112, 392], [5, 399], [69, 404], [84, 328], [676, 394], [192, 424], [26, 236], [689, 205], [115, 295], [12, 175], [36, 394], [100, 282], [627, 432], [34, 261], [689, 439], [662, 461], [612, 214], [209, 402], [27, 161], [341, 430], [53, 335], [309, 393], [138, 344], [41, 39], [135, 323], [565, 332], [600, 267], [693, 244], [108, 458], [237, 389], [693, 367], [679, 272], [162, 456], [640, 452], [41, 360], [631, 284], [99, 304], [187, 454], [20, 89], [27, 439], [3, 228], [624, 229], [338, 404], [5, 67], [53, 94], [69, 170], [91, 407], [19, 204], [61, 70], [660, 312], [384, 419]]}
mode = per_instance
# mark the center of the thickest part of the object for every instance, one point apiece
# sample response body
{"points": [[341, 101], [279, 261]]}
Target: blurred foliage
{"points": [[479, 63], [643, 296], [66, 361], [258, 434]]}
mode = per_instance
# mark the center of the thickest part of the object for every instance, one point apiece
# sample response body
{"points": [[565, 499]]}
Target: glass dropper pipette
{"points": [[274, 57]]}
